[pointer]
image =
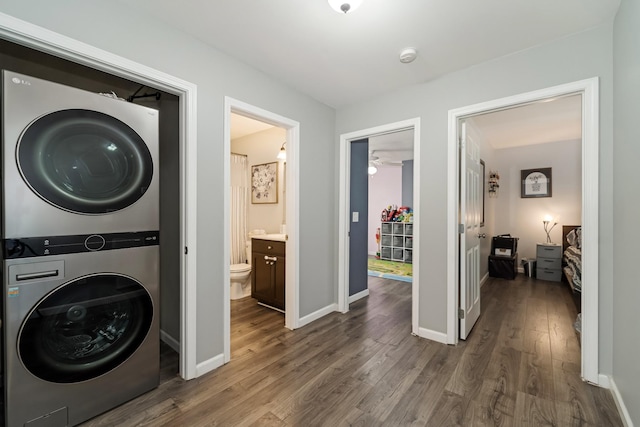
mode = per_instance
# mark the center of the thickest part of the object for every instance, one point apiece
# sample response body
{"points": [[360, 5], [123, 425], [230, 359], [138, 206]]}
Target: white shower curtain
{"points": [[239, 200]]}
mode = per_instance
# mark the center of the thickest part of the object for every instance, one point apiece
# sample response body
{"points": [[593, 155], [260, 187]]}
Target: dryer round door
{"points": [[84, 161], [85, 328]]}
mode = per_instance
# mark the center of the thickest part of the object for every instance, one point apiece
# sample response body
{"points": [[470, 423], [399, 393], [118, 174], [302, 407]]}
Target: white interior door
{"points": [[470, 198]]}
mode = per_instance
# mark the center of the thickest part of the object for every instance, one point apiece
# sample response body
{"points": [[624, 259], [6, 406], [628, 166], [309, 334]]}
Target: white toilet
{"points": [[241, 276]]}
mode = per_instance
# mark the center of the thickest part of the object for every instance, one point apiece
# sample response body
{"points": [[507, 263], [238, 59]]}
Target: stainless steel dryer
{"points": [[75, 162], [81, 326]]}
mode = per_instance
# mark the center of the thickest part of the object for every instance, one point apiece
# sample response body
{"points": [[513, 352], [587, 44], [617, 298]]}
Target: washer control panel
{"points": [[59, 245]]}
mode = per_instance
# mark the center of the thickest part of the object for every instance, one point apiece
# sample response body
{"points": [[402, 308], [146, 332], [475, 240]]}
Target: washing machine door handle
{"points": [[38, 275]]}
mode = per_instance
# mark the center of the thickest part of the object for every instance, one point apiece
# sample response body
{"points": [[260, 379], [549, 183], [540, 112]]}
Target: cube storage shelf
{"points": [[396, 241]]}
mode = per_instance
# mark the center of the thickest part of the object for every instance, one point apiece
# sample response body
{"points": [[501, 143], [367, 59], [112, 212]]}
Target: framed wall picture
{"points": [[264, 183], [535, 182]]}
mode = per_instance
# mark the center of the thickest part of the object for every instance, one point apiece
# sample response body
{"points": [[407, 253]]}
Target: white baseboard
{"points": [[358, 296], [484, 279], [170, 341], [201, 368], [617, 397], [317, 314], [604, 381], [432, 335], [209, 365]]}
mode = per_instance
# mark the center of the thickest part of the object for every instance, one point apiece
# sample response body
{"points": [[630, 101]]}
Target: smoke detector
{"points": [[408, 54]]}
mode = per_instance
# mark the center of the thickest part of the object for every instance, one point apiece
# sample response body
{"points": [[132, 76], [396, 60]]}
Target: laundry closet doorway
{"points": [[39, 39]]}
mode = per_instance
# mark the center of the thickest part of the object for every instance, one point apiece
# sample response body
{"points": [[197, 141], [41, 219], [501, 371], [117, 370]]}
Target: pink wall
{"points": [[385, 188]]}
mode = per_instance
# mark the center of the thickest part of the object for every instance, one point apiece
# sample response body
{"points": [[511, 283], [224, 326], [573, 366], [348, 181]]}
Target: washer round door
{"points": [[84, 161], [85, 328]]}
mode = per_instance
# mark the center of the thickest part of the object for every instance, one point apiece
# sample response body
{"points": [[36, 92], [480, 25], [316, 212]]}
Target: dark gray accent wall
{"points": [[407, 183], [359, 202]]}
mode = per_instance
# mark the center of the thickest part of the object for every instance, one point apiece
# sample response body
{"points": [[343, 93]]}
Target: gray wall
{"points": [[582, 56], [109, 26], [626, 232]]}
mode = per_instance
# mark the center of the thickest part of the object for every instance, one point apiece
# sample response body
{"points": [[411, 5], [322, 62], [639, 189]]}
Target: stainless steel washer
{"points": [[81, 325], [75, 162]]}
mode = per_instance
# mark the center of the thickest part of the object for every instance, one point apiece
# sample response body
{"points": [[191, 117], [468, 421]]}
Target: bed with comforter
{"points": [[572, 256]]}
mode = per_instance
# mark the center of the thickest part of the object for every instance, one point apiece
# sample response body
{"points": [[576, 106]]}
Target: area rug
{"points": [[390, 270]]}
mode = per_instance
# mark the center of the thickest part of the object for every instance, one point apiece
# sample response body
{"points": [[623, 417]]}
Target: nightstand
{"points": [[549, 262]]}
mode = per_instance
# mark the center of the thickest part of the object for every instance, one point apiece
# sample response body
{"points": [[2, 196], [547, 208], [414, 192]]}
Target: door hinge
{"points": [[186, 250], [460, 228], [460, 313]]}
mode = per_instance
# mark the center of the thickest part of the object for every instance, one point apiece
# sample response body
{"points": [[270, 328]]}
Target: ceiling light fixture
{"points": [[372, 169], [282, 154], [344, 6]]}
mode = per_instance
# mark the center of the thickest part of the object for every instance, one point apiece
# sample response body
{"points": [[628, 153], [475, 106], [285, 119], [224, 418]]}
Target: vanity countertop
{"points": [[274, 237]]}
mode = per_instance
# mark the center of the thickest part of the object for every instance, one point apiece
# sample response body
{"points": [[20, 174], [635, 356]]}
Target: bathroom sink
{"points": [[275, 236]]}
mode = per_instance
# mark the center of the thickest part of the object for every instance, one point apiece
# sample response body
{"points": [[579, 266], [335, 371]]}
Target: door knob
{"points": [[482, 235]]}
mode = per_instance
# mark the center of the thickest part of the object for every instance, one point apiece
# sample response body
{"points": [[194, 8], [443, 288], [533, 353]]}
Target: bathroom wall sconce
{"points": [[282, 154], [545, 222], [494, 183], [344, 6]]}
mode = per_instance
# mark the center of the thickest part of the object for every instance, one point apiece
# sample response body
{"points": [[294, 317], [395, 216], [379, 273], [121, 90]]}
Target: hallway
{"points": [[520, 366]]}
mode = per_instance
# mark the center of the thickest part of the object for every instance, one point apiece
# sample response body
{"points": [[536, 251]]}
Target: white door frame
{"points": [[41, 39], [292, 276], [590, 175], [345, 216]]}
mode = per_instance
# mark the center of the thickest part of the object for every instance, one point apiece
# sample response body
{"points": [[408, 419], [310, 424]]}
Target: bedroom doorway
{"points": [[345, 215], [588, 90]]}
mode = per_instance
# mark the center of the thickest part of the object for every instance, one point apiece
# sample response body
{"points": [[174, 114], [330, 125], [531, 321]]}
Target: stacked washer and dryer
{"points": [[80, 222]]}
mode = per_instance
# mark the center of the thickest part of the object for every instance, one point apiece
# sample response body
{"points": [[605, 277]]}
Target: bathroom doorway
{"points": [[260, 145]]}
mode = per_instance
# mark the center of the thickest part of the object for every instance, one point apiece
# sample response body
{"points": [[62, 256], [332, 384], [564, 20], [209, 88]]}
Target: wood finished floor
{"points": [[519, 367]]}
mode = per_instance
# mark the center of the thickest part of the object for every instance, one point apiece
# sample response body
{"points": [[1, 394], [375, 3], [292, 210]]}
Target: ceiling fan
{"points": [[374, 162]]}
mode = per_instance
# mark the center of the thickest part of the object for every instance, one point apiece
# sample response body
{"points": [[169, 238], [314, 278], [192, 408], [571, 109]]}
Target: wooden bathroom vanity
{"points": [[268, 270]]}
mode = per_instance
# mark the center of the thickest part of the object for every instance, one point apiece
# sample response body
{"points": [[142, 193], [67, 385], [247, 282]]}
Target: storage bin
{"points": [[408, 229], [546, 274], [504, 241], [398, 228], [503, 267]]}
